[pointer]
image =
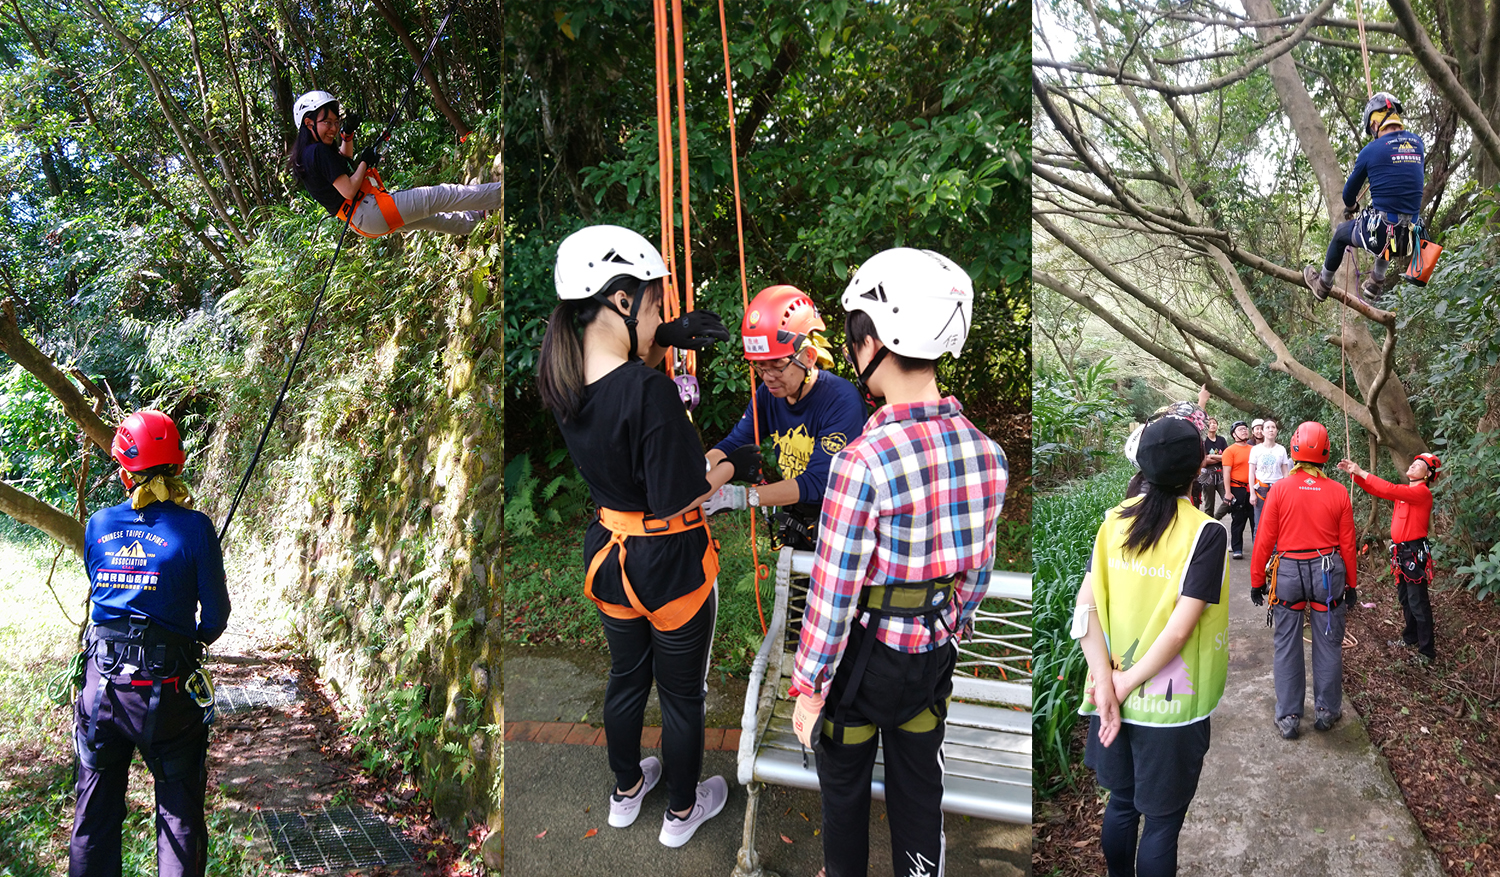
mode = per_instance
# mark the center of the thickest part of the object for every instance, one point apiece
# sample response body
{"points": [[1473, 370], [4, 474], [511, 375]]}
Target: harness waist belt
{"points": [[372, 185], [908, 599], [623, 525], [1308, 553]]}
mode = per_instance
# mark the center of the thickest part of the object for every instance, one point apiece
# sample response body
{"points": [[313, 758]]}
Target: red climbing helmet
{"points": [[779, 323], [1310, 443], [1434, 465], [145, 440]]}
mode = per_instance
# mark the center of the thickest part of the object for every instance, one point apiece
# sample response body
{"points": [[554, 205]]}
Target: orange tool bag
{"points": [[373, 185], [621, 525]]}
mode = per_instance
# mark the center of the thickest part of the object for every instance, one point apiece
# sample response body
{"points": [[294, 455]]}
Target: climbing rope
{"points": [[1364, 48], [312, 317]]}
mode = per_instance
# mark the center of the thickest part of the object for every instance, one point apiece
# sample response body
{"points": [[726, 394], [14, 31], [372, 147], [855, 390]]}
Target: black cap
{"points": [[1238, 424], [1171, 452]]}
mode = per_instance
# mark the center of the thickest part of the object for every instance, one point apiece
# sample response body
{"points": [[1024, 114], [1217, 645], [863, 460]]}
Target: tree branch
{"points": [[26, 355], [28, 510], [1444, 80]]}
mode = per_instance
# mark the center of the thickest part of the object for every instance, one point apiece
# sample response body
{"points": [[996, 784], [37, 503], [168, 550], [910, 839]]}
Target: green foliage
{"points": [[41, 445], [1071, 419], [1070, 518], [394, 728], [1486, 573], [528, 502]]}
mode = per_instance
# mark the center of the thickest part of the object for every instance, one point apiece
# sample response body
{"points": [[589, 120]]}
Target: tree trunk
{"points": [[27, 509], [246, 144], [439, 99], [26, 355], [208, 124]]}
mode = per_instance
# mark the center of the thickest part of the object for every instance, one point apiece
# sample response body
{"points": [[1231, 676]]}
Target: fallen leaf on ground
{"points": [[785, 839], [591, 832], [543, 834]]}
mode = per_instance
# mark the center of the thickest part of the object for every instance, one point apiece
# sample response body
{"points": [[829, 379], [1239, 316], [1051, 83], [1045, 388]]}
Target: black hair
{"points": [[859, 327], [559, 368], [1153, 516], [305, 137]]}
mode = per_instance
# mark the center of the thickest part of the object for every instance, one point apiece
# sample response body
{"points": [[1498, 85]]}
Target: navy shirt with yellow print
{"points": [[805, 435]]}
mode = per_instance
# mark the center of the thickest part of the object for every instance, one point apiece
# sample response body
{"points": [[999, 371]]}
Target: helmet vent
{"points": [[614, 256], [876, 294]]}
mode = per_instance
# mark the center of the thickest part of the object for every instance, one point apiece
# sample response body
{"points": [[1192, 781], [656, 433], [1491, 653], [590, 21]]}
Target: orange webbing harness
{"points": [[372, 185], [622, 525]]}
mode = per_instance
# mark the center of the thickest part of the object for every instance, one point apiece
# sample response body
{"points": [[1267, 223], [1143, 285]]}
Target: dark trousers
{"points": [[895, 688], [1154, 854], [677, 660], [1212, 494], [1239, 513], [1412, 562], [176, 754], [1343, 237]]}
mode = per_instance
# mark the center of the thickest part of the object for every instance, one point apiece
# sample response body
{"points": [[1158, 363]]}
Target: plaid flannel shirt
{"points": [[916, 497]]}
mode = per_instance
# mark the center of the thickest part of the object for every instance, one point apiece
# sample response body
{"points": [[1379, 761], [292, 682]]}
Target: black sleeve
{"points": [[672, 453], [1205, 576]]}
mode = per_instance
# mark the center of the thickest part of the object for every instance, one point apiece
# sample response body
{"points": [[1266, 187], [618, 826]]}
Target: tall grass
{"points": [[1064, 522]]}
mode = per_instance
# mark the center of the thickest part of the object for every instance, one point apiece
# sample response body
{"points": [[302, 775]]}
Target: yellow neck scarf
{"points": [[162, 488]]}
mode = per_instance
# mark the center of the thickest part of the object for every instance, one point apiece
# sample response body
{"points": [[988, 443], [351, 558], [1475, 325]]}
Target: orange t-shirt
{"points": [[1237, 462]]}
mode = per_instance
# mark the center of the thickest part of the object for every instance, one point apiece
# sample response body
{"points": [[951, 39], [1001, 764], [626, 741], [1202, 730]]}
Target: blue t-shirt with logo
{"points": [[1393, 166], [162, 561], [806, 435]]}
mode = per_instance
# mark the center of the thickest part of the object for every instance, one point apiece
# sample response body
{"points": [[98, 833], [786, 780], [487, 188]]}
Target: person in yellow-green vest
{"points": [[1153, 618]]}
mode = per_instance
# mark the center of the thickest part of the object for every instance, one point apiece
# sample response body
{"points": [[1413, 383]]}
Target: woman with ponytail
{"points": [[651, 567], [1152, 618]]}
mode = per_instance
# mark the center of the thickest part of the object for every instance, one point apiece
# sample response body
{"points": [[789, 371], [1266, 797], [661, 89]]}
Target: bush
{"points": [[1071, 421]]}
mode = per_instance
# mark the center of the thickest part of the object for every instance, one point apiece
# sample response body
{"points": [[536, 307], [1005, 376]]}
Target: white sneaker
{"points": [[622, 810], [712, 795]]}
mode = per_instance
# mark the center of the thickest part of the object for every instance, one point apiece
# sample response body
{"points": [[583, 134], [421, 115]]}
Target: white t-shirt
{"points": [[1270, 463]]}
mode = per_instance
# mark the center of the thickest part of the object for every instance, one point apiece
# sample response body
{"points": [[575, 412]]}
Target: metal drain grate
{"points": [[337, 837], [240, 698]]}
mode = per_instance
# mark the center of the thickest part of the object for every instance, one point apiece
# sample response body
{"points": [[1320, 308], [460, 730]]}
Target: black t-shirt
{"points": [[324, 164], [1215, 446], [636, 449], [1205, 575]]}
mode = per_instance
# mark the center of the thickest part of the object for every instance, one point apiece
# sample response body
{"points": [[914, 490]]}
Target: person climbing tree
{"points": [[1155, 646], [1305, 546], [1237, 473], [905, 545], [153, 563], [1392, 164], [1411, 553], [810, 414], [652, 569], [334, 179]]}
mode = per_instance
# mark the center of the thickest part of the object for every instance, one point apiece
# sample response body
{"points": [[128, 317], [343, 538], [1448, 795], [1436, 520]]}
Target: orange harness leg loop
{"points": [[621, 525], [373, 185]]}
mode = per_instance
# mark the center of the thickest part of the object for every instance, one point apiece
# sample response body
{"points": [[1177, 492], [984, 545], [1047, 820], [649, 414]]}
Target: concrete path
{"points": [[561, 789], [1323, 804]]}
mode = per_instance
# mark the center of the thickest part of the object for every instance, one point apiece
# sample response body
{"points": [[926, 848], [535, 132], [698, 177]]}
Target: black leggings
{"points": [[677, 660], [1156, 854]]}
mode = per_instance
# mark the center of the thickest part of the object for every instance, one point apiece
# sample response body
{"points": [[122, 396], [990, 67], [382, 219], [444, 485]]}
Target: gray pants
{"points": [[1296, 581], [446, 208]]}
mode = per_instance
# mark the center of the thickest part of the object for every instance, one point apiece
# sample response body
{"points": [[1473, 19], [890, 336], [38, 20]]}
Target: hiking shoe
{"points": [[623, 810], [1421, 661], [1326, 720], [1400, 644], [1239, 555], [1287, 725], [1314, 281], [1372, 289], [712, 794]]}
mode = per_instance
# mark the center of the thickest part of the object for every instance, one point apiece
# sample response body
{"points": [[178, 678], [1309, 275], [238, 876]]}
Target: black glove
{"points": [[370, 156], [351, 124], [1351, 598], [1258, 596], [1351, 210], [692, 331], [746, 462]]}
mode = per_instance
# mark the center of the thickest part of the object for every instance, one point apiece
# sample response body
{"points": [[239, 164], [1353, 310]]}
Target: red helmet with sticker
{"points": [[1310, 443], [779, 323], [145, 440], [1434, 465]]}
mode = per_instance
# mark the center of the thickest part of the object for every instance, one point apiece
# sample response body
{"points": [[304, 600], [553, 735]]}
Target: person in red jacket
{"points": [[1411, 553], [1306, 544]]}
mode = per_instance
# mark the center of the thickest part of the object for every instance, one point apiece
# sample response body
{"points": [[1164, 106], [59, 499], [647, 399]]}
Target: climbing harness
{"points": [[622, 525], [137, 652], [372, 186], [1324, 559], [312, 318]]}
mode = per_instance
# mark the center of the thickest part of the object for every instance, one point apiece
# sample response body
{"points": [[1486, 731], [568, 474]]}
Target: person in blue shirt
{"points": [[157, 595], [1392, 164], [808, 413]]}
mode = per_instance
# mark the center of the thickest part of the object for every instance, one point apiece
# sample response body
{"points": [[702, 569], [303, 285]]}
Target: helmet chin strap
{"points": [[802, 385], [631, 317], [862, 380]]}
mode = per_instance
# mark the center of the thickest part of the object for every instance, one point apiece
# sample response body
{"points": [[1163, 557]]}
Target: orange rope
{"points": [[761, 572], [690, 360], [665, 175]]}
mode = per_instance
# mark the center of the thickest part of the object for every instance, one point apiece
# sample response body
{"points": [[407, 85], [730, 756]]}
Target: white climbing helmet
{"points": [[921, 302], [310, 103], [591, 257]]}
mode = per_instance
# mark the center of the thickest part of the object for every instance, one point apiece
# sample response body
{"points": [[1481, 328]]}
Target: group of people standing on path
{"points": [[1152, 617], [853, 488]]}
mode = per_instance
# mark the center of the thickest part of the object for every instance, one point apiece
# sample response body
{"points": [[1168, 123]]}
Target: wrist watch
{"points": [[753, 497]]}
